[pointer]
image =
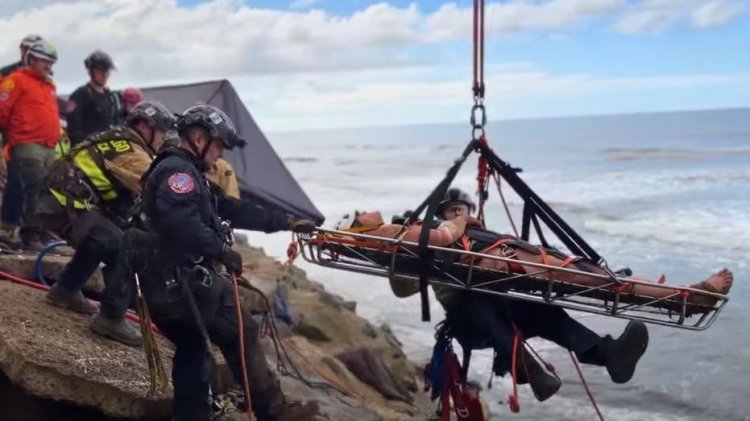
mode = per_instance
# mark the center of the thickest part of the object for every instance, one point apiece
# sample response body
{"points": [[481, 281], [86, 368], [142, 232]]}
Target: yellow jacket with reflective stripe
{"points": [[110, 161], [222, 174]]}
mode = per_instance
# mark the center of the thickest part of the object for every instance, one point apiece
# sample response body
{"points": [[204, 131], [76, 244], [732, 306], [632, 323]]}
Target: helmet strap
{"points": [[202, 153], [150, 142]]}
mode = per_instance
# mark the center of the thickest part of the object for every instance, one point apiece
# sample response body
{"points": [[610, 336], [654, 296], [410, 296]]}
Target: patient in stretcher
{"points": [[461, 230], [480, 320]]}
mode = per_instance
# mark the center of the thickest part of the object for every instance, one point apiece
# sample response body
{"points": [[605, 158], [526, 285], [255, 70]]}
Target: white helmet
{"points": [[346, 221], [43, 50], [30, 39]]}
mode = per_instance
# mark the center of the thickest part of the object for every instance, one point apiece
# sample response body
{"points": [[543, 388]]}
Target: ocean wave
{"points": [[300, 159], [630, 186], [643, 153], [724, 228]]}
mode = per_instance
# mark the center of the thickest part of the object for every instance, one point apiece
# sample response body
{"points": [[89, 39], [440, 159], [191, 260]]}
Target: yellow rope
{"points": [[158, 380]]}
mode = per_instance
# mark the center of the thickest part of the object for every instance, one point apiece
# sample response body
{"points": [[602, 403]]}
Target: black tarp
{"points": [[260, 171]]}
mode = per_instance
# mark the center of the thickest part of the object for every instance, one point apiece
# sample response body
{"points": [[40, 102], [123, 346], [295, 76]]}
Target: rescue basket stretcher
{"points": [[399, 261]]}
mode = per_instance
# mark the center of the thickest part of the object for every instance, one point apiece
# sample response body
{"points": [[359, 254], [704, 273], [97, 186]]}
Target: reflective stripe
{"points": [[96, 176], [63, 200], [62, 149]]}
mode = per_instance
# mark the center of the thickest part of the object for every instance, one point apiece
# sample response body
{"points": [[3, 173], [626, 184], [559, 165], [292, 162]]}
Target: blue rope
{"points": [[40, 257]]}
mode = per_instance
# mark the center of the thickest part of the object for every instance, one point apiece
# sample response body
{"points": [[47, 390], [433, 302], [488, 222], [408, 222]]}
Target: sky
{"points": [[300, 64]]}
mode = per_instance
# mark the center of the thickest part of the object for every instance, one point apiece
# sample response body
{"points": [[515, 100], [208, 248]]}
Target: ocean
{"points": [[663, 193]]}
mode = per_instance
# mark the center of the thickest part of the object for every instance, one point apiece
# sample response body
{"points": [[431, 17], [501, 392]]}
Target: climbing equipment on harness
{"points": [[81, 179], [443, 375]]}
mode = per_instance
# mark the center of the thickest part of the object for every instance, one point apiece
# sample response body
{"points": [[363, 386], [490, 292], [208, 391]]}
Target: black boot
{"points": [[543, 383], [70, 299], [117, 329], [622, 354]]}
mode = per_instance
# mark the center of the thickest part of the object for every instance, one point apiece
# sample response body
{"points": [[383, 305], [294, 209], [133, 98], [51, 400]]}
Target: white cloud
{"points": [[658, 15], [158, 39], [404, 96], [717, 13], [306, 65]]}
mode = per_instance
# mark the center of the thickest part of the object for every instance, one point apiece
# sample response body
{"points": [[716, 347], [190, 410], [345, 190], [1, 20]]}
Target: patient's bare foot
{"points": [[720, 282]]}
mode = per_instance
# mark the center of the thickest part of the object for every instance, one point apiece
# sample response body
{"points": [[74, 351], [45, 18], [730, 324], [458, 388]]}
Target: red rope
{"points": [[483, 172], [515, 405], [586, 386], [505, 205], [36, 285], [478, 87], [245, 381]]}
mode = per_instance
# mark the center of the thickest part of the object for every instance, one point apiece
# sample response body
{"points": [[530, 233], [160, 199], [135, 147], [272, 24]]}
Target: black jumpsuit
{"points": [[89, 111], [182, 215]]}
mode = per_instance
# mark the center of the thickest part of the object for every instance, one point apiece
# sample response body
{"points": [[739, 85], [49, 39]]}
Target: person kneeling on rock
{"points": [[87, 198]]}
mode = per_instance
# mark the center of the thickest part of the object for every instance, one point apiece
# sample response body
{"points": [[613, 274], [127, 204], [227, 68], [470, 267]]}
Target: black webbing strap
{"points": [[431, 205], [536, 207]]}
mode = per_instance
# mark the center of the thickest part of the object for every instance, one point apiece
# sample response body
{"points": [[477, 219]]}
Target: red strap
{"points": [[513, 402], [620, 288], [497, 244], [465, 242], [568, 261], [445, 404], [454, 385]]}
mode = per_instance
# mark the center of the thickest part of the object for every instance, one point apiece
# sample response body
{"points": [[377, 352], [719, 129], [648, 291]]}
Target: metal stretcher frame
{"points": [[397, 259]]}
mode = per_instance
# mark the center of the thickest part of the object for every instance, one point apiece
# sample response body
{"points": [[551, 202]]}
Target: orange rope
{"points": [[245, 380]]}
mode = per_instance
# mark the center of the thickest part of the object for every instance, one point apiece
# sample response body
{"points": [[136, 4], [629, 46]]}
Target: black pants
{"points": [[12, 198], [212, 316], [479, 320], [96, 239]]}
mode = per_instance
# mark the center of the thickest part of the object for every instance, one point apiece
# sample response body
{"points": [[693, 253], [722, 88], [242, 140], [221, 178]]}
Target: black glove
{"points": [[232, 261], [304, 226]]}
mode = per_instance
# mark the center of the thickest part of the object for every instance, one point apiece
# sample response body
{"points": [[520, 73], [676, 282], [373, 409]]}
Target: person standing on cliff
{"points": [[189, 301]]}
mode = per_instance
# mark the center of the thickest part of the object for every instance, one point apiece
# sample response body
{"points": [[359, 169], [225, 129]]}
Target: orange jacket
{"points": [[28, 110]]}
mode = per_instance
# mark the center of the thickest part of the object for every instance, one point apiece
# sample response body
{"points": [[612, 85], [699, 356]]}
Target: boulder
{"points": [[50, 357], [51, 353]]}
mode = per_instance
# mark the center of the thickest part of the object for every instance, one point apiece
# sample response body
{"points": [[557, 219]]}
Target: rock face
{"points": [[51, 353], [354, 370]]}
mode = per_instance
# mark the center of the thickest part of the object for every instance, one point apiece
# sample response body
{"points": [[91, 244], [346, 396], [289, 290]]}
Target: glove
{"points": [[232, 261], [304, 226]]}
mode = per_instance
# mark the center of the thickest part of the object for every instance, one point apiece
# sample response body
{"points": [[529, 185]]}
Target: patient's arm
{"points": [[444, 235]]}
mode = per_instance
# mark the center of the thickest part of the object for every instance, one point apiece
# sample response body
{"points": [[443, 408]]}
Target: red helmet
{"points": [[132, 96]]}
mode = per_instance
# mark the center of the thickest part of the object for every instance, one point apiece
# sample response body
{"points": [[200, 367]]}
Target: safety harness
{"points": [[81, 179]]}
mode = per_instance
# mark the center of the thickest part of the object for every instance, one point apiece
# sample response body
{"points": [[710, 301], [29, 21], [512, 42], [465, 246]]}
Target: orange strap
{"points": [[379, 245]]}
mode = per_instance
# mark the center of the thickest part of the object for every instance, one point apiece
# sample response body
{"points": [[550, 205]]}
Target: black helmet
{"points": [[99, 60], [215, 121], [456, 195], [154, 113]]}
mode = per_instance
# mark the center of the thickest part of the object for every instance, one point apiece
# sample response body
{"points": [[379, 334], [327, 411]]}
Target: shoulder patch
{"points": [[70, 106], [181, 183], [8, 84]]}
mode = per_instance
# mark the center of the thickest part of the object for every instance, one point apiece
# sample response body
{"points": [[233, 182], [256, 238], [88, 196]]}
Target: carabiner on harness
{"points": [[202, 275]]}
